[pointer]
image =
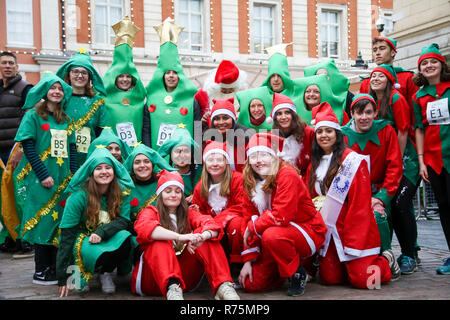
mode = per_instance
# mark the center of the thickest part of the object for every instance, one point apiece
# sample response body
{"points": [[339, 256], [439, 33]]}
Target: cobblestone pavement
{"points": [[425, 284]]}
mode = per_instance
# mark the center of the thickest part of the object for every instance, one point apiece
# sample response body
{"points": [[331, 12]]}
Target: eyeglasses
{"points": [[77, 73]]}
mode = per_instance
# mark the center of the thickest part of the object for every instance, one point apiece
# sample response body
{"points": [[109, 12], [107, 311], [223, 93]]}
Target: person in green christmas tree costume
{"points": [[170, 93], [86, 106], [126, 93], [48, 140], [109, 140], [182, 151], [255, 105], [338, 82], [93, 227]]}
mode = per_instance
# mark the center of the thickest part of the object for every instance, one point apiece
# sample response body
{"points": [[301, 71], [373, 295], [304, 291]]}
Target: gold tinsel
{"points": [[72, 126], [147, 203], [30, 224], [78, 260]]}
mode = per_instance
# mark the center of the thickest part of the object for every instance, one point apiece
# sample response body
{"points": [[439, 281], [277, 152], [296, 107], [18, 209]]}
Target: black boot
{"points": [[297, 282]]}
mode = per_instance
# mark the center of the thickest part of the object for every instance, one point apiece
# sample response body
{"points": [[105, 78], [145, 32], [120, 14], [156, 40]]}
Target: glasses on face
{"points": [[260, 156], [77, 73]]}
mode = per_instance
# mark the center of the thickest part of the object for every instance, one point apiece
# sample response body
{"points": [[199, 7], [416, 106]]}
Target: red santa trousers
{"points": [[232, 242], [159, 263], [281, 251], [360, 272]]}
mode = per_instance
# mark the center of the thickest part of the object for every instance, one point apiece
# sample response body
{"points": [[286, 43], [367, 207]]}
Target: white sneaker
{"points": [[108, 285], [226, 292], [174, 292]]}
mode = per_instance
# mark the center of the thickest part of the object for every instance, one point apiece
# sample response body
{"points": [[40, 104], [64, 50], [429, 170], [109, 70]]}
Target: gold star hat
{"points": [[105, 139]]}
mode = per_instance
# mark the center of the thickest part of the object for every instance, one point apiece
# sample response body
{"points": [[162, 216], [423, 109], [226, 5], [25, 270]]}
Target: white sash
{"points": [[335, 199]]}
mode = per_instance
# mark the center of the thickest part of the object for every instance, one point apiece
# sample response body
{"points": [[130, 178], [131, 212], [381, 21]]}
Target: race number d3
{"points": [[125, 131]]}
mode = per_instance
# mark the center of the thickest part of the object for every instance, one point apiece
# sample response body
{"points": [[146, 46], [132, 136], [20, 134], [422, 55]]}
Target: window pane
{"points": [[196, 23], [257, 11], [333, 17], [195, 5], [183, 5], [183, 40], [196, 38], [324, 49], [324, 33], [334, 34], [257, 28], [100, 34], [268, 29], [116, 15], [267, 12], [100, 15], [19, 21], [116, 2]]}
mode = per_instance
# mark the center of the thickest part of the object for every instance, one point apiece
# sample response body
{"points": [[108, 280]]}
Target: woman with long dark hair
{"points": [[341, 177], [179, 245], [431, 107]]}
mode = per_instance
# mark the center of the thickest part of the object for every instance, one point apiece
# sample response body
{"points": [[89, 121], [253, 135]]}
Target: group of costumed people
{"points": [[292, 180]]}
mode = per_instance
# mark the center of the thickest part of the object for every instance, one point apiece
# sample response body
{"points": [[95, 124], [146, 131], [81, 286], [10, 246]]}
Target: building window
{"points": [[19, 21], [107, 13], [263, 27], [190, 17], [330, 35]]}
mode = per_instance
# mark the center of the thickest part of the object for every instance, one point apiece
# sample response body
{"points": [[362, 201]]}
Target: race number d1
{"points": [[125, 131], [165, 132], [58, 143], [83, 141], [437, 112]]}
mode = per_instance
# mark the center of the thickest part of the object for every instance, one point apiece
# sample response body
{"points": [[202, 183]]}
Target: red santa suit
{"points": [[284, 227], [159, 262], [226, 211]]}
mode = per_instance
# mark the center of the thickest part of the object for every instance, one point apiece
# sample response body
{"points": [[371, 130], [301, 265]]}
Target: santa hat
{"points": [[227, 74], [266, 142], [432, 51], [215, 147], [223, 106], [280, 101], [167, 179], [390, 41], [362, 96], [389, 72], [324, 116]]}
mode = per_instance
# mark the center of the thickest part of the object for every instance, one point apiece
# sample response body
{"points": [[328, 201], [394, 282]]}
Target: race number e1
{"points": [[83, 137], [437, 112], [125, 131], [165, 132], [58, 143]]}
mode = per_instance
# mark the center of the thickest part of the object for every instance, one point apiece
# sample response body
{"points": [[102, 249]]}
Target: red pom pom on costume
{"points": [[134, 202], [152, 108], [184, 111], [45, 127], [63, 203]]}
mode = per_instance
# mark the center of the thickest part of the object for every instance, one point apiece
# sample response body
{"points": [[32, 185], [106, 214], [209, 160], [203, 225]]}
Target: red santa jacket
{"points": [[290, 204], [386, 166], [357, 233], [233, 206], [148, 219]]}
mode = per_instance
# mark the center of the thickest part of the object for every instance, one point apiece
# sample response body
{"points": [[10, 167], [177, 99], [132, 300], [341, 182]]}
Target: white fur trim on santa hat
{"points": [[282, 106], [260, 148], [168, 184], [221, 151], [223, 111], [327, 124]]}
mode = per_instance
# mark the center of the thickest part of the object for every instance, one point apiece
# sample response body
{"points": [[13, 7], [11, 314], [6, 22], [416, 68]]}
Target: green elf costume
{"points": [[47, 152], [125, 108], [105, 139], [245, 97], [169, 110], [75, 248], [88, 113], [181, 137]]}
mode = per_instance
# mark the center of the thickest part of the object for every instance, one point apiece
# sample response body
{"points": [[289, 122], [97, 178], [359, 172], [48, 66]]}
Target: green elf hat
{"points": [[338, 82], [39, 91], [389, 72], [360, 97], [99, 156], [125, 106], [390, 41], [278, 64], [245, 97], [82, 59], [159, 163], [105, 139], [169, 59], [432, 51], [180, 137]]}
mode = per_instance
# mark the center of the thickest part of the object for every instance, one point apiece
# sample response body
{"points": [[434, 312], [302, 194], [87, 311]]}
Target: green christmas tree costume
{"points": [[245, 97], [105, 139]]}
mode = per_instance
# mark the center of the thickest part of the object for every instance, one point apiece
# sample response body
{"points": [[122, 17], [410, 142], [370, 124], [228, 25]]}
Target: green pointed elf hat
{"points": [[105, 139], [245, 97], [82, 59], [278, 64], [169, 59], [389, 72], [432, 51], [338, 82], [326, 94], [99, 156], [39, 91], [159, 163], [180, 137]]}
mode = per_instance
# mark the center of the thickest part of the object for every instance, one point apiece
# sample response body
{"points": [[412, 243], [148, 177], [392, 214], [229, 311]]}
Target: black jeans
{"points": [[108, 261], [44, 257], [441, 188]]}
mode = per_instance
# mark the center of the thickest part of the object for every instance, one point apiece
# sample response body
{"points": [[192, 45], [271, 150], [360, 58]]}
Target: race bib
{"points": [[437, 112], [125, 131], [83, 137], [165, 132], [58, 143]]}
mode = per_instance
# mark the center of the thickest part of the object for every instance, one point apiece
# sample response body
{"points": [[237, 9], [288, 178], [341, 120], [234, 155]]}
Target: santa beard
{"points": [[217, 94]]}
